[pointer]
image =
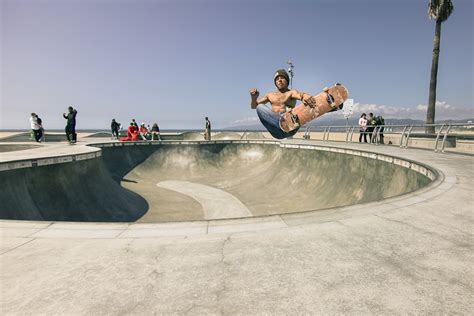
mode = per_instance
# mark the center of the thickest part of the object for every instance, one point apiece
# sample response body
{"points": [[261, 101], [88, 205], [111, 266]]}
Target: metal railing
{"points": [[408, 134]]}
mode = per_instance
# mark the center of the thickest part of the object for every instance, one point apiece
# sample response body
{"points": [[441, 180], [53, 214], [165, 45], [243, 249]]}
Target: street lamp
{"points": [[291, 72]]}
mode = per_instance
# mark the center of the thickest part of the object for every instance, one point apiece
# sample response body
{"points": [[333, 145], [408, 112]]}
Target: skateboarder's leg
{"points": [[271, 121]]}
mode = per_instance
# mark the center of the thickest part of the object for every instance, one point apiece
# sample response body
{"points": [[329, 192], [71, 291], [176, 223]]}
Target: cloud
{"points": [[444, 110], [246, 120]]}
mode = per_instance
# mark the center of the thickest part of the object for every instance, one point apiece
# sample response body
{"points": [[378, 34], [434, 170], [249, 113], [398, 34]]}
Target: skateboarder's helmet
{"points": [[281, 72]]}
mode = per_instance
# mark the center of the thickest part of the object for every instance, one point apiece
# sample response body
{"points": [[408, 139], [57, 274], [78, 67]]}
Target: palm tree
{"points": [[438, 10]]}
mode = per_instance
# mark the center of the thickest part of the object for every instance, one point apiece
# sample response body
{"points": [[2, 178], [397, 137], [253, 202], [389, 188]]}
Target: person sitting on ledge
{"points": [[144, 133], [132, 133]]}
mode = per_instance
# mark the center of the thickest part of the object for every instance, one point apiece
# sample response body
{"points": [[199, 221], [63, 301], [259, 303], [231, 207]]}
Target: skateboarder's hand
{"points": [[309, 101], [254, 93]]}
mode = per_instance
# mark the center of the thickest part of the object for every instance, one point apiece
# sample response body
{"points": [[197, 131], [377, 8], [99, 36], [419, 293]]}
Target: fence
{"points": [[403, 133]]}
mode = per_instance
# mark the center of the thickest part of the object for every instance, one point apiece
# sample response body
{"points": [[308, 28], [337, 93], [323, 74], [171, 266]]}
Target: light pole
{"points": [[348, 110], [291, 72]]}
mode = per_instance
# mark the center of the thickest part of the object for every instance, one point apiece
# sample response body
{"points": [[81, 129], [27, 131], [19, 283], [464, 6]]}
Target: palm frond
{"points": [[440, 9]]}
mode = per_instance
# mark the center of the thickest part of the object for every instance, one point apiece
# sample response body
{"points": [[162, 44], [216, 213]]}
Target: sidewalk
{"points": [[411, 254]]}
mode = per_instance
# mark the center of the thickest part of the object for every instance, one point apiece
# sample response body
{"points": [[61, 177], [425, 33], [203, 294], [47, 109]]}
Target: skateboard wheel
{"points": [[326, 89]]}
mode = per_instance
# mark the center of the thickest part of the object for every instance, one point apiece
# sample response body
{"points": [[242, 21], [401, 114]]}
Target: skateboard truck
{"points": [[329, 97], [294, 119]]}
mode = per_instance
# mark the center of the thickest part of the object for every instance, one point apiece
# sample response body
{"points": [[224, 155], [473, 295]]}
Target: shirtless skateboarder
{"points": [[282, 101]]}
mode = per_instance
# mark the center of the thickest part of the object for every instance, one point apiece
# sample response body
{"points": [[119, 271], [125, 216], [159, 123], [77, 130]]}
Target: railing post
{"points": [[445, 137], [403, 135], [329, 131], [377, 136], [437, 137], [307, 133], [352, 133], [408, 136]]}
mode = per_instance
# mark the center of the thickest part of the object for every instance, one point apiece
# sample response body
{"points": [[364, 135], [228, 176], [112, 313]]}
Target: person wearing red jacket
{"points": [[132, 133]]}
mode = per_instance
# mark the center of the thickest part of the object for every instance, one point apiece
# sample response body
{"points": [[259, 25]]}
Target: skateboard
{"points": [[330, 99]]}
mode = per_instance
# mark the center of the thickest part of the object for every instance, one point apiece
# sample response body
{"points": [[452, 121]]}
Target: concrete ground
{"points": [[405, 255]]}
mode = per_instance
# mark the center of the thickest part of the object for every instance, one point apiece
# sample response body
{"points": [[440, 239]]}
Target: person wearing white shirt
{"points": [[363, 128], [36, 129]]}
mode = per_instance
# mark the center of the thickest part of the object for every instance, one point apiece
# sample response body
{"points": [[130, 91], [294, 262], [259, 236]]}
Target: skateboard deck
{"points": [[330, 99]]}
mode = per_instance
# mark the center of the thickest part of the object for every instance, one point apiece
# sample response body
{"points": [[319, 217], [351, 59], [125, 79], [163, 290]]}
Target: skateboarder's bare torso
{"points": [[281, 101]]}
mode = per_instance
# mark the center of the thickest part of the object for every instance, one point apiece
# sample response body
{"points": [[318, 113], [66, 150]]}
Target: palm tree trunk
{"points": [[430, 113]]}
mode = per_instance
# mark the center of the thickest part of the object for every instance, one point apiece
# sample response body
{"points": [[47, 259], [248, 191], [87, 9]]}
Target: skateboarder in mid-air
{"points": [[282, 120]]}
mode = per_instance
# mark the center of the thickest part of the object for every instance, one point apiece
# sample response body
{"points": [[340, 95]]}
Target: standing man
{"points": [[71, 125], [371, 127], [36, 129], [115, 126], [381, 123], [207, 132]]}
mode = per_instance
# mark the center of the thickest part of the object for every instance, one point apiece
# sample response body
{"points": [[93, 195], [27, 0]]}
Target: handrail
{"points": [[352, 133], [408, 136], [444, 138], [437, 137], [307, 133], [407, 133], [329, 131], [403, 135], [324, 135], [396, 125]]}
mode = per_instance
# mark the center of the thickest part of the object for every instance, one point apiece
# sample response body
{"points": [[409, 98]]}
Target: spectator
{"points": [[36, 128], [132, 133], [207, 131], [155, 131], [362, 128], [40, 122], [115, 127], [71, 125], [381, 123], [144, 133], [371, 127]]}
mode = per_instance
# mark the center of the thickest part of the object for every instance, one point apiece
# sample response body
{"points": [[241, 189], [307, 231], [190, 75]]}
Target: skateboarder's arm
{"points": [[254, 101], [307, 99], [299, 95]]}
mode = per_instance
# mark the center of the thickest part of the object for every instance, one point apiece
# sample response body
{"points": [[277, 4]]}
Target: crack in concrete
{"points": [[424, 231], [219, 292], [18, 246]]}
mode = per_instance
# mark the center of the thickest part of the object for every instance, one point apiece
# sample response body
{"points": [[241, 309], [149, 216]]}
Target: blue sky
{"points": [[176, 62]]}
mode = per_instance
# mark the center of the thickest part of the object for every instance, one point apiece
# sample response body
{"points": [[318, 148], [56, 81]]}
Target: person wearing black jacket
{"points": [[207, 131], [71, 125], [115, 128]]}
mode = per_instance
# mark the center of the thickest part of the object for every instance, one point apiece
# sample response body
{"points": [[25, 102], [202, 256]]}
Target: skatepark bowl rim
{"points": [[93, 151]]}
